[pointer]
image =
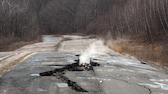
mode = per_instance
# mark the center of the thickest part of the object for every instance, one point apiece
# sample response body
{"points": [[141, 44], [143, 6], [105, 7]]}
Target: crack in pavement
{"points": [[58, 45], [150, 92], [59, 72], [72, 84], [135, 67]]}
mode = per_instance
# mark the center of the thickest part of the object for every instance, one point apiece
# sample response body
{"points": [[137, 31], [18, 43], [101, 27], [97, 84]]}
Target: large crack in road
{"points": [[53, 70], [59, 73]]}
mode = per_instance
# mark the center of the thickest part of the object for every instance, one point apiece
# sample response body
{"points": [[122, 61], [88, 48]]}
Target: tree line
{"points": [[147, 19], [25, 19]]}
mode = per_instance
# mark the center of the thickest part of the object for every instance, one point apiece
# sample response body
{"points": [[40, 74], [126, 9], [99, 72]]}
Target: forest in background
{"points": [[23, 19], [141, 20]]}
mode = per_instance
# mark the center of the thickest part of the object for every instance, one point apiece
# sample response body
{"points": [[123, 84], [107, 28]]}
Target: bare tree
{"points": [[16, 20]]}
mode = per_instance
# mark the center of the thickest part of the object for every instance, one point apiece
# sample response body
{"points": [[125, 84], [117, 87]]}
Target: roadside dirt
{"points": [[15, 45], [156, 54], [21, 54]]}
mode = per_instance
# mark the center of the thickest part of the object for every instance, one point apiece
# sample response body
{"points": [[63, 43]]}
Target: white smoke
{"points": [[96, 48]]}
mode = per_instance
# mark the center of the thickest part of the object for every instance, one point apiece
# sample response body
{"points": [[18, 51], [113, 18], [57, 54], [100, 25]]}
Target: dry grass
{"points": [[7, 44], [155, 52]]}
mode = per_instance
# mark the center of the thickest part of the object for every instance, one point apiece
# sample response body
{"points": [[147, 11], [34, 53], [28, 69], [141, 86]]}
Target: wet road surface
{"points": [[116, 74]]}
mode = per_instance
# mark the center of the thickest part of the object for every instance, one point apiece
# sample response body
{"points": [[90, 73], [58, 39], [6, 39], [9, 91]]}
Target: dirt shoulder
{"points": [[13, 44], [156, 54]]}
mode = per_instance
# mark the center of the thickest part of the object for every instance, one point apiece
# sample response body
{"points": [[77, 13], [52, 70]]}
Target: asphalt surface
{"points": [[116, 74]]}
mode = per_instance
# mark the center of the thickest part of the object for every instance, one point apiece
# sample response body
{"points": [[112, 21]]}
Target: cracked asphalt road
{"points": [[116, 74]]}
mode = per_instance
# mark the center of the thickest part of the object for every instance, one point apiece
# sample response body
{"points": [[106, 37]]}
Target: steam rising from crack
{"points": [[96, 48]]}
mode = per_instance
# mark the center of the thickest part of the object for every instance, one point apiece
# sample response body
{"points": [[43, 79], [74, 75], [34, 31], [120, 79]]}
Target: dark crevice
{"points": [[59, 72], [70, 67], [150, 92], [58, 45], [143, 62], [77, 55], [72, 84]]}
